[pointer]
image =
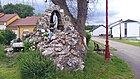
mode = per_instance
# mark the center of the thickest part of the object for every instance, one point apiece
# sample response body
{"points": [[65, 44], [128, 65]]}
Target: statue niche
{"points": [[55, 21]]}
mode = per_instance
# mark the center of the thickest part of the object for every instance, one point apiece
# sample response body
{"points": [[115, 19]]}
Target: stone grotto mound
{"points": [[63, 44]]}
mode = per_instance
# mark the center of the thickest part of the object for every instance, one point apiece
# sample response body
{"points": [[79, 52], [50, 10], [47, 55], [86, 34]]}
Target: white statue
{"points": [[55, 21]]}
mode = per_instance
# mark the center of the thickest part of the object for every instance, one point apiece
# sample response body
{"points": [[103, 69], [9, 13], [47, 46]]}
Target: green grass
{"points": [[8, 67], [103, 46], [95, 68], [87, 30], [127, 41]]}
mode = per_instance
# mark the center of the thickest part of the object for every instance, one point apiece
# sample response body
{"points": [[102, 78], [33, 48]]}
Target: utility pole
{"points": [[32, 3], [0, 3], [107, 52], [23, 1]]}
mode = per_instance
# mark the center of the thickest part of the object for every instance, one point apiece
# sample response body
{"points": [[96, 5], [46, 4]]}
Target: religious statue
{"points": [[55, 20], [49, 33]]}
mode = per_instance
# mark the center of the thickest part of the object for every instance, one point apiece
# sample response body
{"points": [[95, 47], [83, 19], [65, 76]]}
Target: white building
{"points": [[100, 30], [127, 28]]}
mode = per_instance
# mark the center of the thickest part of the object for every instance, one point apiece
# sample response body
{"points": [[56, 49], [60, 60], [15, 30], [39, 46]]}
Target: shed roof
{"points": [[95, 27], [6, 17], [28, 21], [129, 20], [1, 14]]}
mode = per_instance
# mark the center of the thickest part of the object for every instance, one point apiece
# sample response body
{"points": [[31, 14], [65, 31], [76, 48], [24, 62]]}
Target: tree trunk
{"points": [[82, 16], [79, 22]]}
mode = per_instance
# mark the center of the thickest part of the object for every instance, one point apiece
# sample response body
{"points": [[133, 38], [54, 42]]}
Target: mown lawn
{"points": [[103, 46], [95, 68], [128, 41]]}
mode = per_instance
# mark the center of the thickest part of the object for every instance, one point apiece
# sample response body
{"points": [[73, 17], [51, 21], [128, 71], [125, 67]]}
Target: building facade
{"points": [[128, 29], [24, 24], [99, 31]]}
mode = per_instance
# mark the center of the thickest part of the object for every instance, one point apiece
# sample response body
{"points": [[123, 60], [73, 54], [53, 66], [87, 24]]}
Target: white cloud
{"points": [[119, 9], [128, 9]]}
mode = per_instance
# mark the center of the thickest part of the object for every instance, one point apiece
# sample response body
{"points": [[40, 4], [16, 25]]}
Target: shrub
{"points": [[1, 39], [2, 55], [8, 36], [33, 65], [27, 46], [88, 37], [30, 46]]}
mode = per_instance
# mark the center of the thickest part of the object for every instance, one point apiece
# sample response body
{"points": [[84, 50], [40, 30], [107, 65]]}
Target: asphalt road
{"points": [[129, 53]]}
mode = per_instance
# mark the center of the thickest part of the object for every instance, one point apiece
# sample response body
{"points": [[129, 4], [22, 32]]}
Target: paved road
{"points": [[131, 54]]}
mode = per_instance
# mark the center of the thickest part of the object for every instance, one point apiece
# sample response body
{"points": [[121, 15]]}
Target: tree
{"points": [[82, 10], [1, 9], [38, 14], [79, 21], [21, 9], [7, 36]]}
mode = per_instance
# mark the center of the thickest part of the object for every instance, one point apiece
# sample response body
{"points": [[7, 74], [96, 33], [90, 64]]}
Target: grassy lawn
{"points": [[87, 30], [127, 41], [8, 67], [103, 46], [95, 68]]}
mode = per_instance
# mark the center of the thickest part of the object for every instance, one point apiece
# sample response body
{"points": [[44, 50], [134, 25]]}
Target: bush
{"points": [[88, 37], [7, 36], [30, 46], [1, 39], [27, 46], [2, 55], [34, 65]]}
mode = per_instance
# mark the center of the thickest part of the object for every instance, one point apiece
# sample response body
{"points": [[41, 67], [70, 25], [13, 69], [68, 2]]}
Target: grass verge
{"points": [[128, 41], [95, 68], [103, 46]]}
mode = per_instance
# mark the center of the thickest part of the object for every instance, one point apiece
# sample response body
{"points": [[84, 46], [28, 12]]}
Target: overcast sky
{"points": [[118, 9]]}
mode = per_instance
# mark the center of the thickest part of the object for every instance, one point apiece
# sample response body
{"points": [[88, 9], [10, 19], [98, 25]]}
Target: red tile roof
{"points": [[7, 17], [1, 14], [28, 21]]}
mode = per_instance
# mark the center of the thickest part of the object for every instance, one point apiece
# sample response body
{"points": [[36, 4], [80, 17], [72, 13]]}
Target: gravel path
{"points": [[131, 54]]}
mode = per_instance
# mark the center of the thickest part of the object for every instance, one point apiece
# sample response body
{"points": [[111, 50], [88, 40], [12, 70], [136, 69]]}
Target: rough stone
{"points": [[58, 49], [65, 47]]}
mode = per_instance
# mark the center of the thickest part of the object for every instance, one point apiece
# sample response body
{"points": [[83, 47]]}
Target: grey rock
{"points": [[47, 51], [8, 49], [65, 47], [58, 49]]}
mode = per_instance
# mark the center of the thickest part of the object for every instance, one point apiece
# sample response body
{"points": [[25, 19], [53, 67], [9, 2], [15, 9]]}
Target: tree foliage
{"points": [[91, 27], [6, 36], [1, 9], [38, 14], [21, 9]]}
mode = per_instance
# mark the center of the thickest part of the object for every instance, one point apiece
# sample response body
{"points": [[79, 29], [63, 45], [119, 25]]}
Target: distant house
{"points": [[127, 28], [98, 30], [6, 19], [25, 24]]}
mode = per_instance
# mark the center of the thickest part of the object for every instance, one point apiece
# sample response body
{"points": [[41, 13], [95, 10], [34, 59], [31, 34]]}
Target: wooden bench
{"points": [[98, 48]]}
